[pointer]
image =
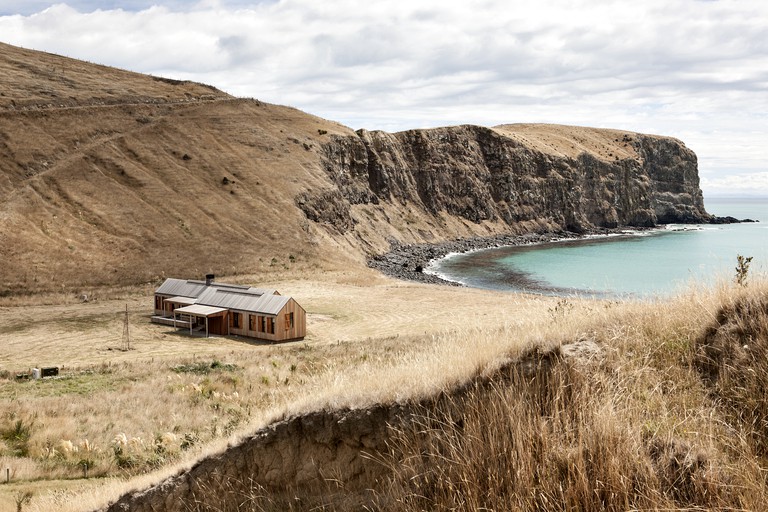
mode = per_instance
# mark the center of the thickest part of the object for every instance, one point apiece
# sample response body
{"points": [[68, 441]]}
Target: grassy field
{"points": [[172, 395], [637, 410]]}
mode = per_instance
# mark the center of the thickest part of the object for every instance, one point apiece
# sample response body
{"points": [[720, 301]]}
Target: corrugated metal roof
{"points": [[193, 288], [187, 301], [243, 301], [181, 287], [271, 304], [227, 298], [199, 310], [222, 295]]}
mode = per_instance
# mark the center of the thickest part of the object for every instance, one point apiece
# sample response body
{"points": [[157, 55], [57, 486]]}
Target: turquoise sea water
{"points": [[657, 262]]}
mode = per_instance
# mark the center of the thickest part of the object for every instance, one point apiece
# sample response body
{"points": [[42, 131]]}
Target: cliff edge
{"points": [[515, 177], [115, 178]]}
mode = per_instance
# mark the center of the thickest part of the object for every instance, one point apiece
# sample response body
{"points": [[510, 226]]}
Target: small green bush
{"points": [[17, 436], [742, 269], [204, 367]]}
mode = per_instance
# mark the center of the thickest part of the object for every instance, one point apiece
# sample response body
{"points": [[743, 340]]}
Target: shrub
{"points": [[742, 269], [204, 367], [17, 436]]}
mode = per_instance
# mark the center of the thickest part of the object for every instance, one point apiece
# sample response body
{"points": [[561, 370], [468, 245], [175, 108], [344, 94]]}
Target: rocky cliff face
{"points": [[516, 177], [209, 183]]}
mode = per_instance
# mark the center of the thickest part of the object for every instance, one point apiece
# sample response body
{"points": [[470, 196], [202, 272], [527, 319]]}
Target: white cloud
{"points": [[754, 184], [692, 69]]}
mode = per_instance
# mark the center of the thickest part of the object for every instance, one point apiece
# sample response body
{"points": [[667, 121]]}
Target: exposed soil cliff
{"points": [[335, 459]]}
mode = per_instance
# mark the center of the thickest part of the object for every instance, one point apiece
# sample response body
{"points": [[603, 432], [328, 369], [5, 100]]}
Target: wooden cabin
{"points": [[225, 309]]}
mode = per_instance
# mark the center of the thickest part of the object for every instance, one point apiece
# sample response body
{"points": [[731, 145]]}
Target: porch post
{"points": [[206, 326]]}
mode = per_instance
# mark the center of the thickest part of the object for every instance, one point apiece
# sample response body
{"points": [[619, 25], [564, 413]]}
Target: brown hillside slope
{"points": [[100, 195], [111, 177], [125, 177], [32, 79]]}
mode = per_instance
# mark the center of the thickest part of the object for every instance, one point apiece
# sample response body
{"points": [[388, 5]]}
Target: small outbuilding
{"points": [[218, 308]]}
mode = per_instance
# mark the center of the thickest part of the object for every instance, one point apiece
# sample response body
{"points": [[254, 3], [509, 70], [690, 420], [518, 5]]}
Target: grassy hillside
{"points": [[134, 193], [615, 405], [110, 180], [122, 178], [31, 79]]}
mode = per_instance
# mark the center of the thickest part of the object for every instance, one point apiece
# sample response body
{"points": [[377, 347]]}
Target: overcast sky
{"points": [[693, 69]]}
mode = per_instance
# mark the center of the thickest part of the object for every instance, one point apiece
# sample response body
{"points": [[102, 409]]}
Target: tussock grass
{"points": [[626, 415], [551, 439], [663, 416], [732, 358], [635, 429]]}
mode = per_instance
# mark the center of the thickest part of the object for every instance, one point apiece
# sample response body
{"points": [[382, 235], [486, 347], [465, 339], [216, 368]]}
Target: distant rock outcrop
{"points": [[492, 174]]}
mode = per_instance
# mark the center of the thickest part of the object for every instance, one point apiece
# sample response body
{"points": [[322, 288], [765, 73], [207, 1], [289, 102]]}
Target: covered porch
{"points": [[208, 319]]}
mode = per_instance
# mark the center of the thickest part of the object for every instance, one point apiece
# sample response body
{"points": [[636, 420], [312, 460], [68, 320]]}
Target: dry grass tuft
{"points": [[551, 439], [533, 404], [732, 357]]}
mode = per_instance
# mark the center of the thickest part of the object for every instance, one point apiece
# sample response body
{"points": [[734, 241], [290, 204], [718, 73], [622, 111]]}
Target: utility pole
{"points": [[126, 345]]}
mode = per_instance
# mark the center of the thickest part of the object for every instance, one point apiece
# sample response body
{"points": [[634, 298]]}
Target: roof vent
{"points": [[209, 279]]}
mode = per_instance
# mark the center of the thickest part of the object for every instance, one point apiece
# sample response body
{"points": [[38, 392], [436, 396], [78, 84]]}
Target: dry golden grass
{"points": [[109, 177], [642, 391], [632, 409], [631, 426], [30, 78], [633, 429], [91, 197], [359, 323], [571, 141]]}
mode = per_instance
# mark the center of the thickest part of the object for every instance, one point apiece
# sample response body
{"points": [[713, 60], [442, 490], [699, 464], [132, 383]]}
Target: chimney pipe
{"points": [[209, 279]]}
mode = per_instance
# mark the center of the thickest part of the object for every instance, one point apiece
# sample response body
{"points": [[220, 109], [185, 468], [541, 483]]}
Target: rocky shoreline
{"points": [[408, 261]]}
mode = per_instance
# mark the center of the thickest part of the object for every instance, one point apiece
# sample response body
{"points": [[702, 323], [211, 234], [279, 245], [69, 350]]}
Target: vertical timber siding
{"points": [[250, 324], [299, 329]]}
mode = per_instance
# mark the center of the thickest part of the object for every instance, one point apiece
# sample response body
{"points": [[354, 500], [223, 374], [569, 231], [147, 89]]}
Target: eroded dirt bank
{"points": [[324, 458], [556, 425]]}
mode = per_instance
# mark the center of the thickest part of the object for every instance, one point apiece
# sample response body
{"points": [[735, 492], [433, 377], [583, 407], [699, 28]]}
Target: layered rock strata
{"points": [[516, 176]]}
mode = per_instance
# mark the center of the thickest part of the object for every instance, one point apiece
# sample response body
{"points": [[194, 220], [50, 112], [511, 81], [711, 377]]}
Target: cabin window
{"points": [[253, 321], [236, 320], [158, 302], [270, 325], [288, 321], [262, 324]]}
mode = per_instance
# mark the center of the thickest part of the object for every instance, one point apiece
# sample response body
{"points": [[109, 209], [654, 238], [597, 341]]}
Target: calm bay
{"points": [[640, 264]]}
